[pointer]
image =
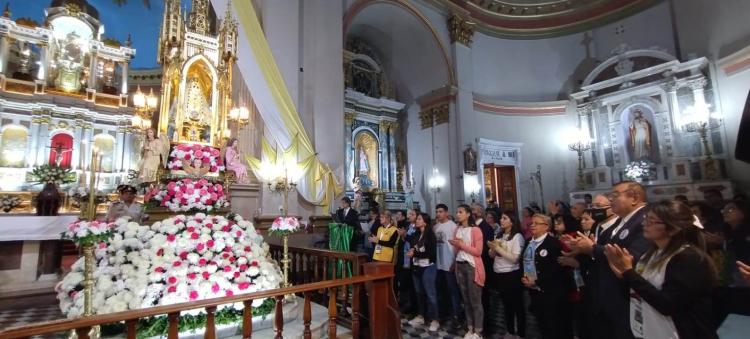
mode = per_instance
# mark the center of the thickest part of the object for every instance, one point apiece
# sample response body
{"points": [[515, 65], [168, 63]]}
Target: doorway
{"points": [[500, 186]]}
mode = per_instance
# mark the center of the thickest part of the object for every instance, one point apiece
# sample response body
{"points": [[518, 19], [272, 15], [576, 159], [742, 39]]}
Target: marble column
{"points": [[33, 142], [78, 147], [43, 136], [392, 152], [348, 150], [128, 152], [383, 155], [43, 62], [698, 86], [4, 53], [89, 137], [584, 118], [92, 72], [119, 137], [124, 78]]}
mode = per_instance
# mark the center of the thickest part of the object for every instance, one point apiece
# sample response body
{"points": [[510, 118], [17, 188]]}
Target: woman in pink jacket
{"points": [[469, 269]]}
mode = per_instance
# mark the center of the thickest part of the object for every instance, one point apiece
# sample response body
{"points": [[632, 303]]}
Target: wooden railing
{"points": [[314, 264], [377, 282]]}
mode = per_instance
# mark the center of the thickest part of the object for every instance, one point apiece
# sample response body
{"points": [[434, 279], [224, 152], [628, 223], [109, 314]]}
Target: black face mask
{"points": [[599, 214]]}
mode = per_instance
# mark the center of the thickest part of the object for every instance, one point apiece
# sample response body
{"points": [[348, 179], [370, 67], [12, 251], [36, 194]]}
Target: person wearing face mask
{"points": [[610, 302]]}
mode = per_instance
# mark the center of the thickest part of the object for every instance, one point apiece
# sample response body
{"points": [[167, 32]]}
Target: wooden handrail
{"points": [[173, 310], [322, 252]]}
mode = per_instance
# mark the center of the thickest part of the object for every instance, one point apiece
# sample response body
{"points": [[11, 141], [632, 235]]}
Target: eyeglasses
{"points": [[615, 194], [728, 210], [540, 223]]}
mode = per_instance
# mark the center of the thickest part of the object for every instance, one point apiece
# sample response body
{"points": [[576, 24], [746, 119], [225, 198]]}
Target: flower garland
{"points": [[51, 174], [187, 195], [187, 153], [638, 169], [284, 226], [179, 259], [86, 233]]}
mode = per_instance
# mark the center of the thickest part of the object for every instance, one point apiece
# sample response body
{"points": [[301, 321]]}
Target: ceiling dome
{"points": [[83, 6]]}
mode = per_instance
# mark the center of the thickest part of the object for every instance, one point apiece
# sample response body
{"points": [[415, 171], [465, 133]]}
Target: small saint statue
{"points": [[155, 151], [640, 136], [234, 162]]}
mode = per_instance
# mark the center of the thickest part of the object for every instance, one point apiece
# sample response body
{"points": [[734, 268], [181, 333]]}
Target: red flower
{"points": [[248, 249], [171, 237], [225, 255], [210, 225], [177, 263], [187, 156], [200, 247], [172, 280], [191, 229], [160, 252], [172, 289], [159, 270], [206, 275], [243, 267], [202, 262], [225, 228], [227, 268], [254, 263], [232, 259], [193, 295], [183, 255], [215, 288], [191, 275], [214, 169], [195, 236], [239, 233], [229, 293], [227, 248], [243, 285], [236, 274], [210, 243]]}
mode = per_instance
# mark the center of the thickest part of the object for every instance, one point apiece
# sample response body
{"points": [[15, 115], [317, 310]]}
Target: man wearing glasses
{"points": [[610, 294]]}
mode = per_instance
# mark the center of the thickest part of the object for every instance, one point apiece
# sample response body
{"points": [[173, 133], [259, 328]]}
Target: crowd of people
{"points": [[614, 266]]}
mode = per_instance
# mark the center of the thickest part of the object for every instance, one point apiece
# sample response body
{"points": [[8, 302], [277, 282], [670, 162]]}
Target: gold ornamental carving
{"points": [[441, 114], [392, 127], [425, 117], [348, 118], [461, 30]]}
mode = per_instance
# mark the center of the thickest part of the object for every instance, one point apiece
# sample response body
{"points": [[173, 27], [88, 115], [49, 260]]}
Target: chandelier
{"points": [[145, 105]]}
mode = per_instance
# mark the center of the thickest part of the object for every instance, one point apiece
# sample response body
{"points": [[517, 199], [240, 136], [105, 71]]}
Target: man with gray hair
{"points": [[609, 294]]}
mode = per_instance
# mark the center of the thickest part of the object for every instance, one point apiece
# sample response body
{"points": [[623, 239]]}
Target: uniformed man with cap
{"points": [[127, 206]]}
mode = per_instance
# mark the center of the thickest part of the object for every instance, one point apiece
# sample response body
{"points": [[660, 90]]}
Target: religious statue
{"points": [[155, 151], [470, 159], [364, 165], [234, 162], [60, 153], [640, 136]]}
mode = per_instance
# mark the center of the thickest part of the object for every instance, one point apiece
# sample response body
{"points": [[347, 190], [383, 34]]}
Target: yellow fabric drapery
{"points": [[317, 179]]}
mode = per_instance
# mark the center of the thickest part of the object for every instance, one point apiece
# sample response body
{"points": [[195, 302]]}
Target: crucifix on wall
{"points": [[60, 151]]}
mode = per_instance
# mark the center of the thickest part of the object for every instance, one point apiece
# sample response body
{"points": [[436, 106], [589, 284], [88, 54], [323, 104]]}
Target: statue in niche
{"points": [[198, 113], [470, 159], [363, 179], [640, 136]]}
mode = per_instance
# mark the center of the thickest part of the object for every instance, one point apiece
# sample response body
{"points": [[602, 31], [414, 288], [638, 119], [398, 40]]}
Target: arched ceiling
{"points": [[543, 18], [413, 56]]}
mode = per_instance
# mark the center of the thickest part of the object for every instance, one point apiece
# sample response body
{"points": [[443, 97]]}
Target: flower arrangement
{"points": [[9, 202], [86, 233], [284, 225], [638, 169], [187, 154], [179, 259], [187, 195], [80, 195], [51, 174]]}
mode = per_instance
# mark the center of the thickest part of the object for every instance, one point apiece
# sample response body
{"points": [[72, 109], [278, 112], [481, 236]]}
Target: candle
{"points": [[92, 184]]}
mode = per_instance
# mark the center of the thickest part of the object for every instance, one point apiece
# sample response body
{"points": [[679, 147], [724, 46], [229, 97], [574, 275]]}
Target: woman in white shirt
{"points": [[505, 249]]}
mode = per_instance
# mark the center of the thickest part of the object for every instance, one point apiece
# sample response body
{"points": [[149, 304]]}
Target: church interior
{"points": [[290, 168]]}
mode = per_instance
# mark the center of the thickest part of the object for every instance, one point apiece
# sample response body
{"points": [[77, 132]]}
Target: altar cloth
{"points": [[31, 228]]}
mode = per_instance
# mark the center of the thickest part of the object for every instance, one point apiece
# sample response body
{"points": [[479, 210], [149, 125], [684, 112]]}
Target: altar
{"points": [[30, 250], [645, 116]]}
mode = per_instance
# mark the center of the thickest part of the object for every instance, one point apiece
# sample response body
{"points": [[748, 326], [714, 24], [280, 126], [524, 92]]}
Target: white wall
{"points": [[650, 28]]}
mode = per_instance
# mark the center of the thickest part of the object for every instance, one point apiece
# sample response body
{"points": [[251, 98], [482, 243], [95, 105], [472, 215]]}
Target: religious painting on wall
{"points": [[365, 160], [13, 146], [639, 133]]}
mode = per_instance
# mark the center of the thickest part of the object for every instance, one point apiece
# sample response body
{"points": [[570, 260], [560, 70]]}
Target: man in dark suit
{"points": [[547, 281], [609, 294], [347, 215]]}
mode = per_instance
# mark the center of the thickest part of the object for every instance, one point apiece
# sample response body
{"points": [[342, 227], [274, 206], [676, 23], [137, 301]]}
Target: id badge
{"points": [[636, 316], [378, 249]]}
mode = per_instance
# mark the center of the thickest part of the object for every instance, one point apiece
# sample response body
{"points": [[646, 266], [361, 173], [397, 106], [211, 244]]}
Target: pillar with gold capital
{"points": [[392, 126], [348, 149]]}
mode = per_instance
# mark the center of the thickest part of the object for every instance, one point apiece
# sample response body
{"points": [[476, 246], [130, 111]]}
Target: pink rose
{"points": [[191, 229], [184, 254], [172, 280], [199, 154], [243, 285], [177, 263], [236, 274], [196, 147], [203, 192], [160, 252], [248, 249], [243, 267], [210, 243], [227, 268], [206, 160], [214, 169], [200, 247], [202, 262], [206, 275], [159, 270], [215, 288], [172, 289], [193, 295], [191, 275], [187, 156], [195, 236], [215, 152], [229, 293]]}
